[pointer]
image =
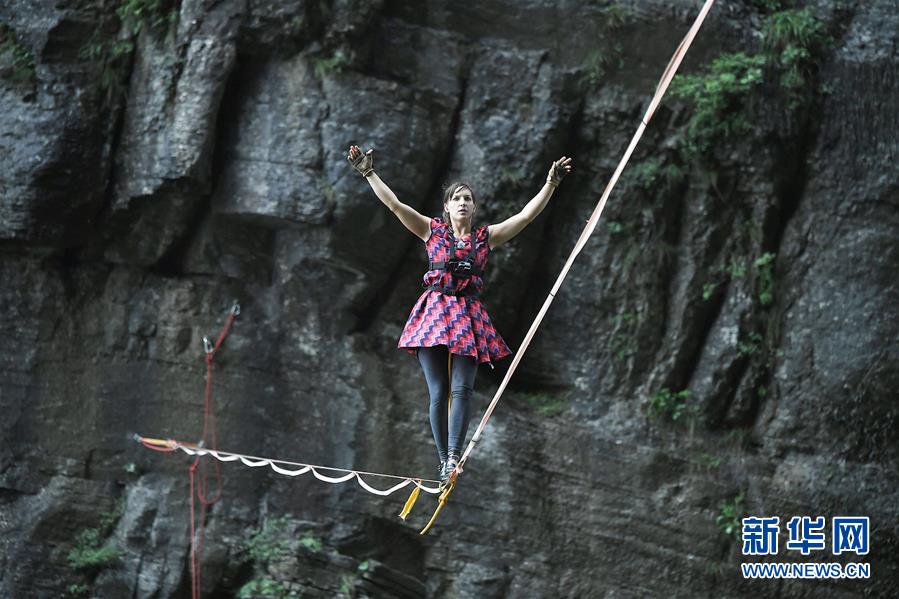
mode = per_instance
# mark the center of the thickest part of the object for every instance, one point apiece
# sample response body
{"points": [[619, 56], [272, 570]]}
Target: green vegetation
{"points": [[311, 543], [87, 556], [91, 552], [20, 58], [793, 43], [625, 317], [546, 404], [667, 404], [265, 587], [623, 343], [111, 54], [136, 14], [623, 346], [601, 59], [738, 435], [77, 590], [729, 513], [347, 583], [735, 269], [751, 346], [651, 172], [598, 62], [324, 67], [718, 95], [268, 543], [265, 545], [794, 39], [329, 193], [765, 268], [709, 460], [618, 15]]}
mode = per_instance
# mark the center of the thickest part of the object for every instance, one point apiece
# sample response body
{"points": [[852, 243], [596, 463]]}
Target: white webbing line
{"points": [[667, 76], [255, 462]]}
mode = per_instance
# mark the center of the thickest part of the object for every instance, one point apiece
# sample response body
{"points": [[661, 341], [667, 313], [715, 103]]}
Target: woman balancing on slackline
{"points": [[449, 317]]}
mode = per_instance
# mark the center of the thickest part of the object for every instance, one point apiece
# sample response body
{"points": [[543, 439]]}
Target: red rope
{"points": [[199, 483]]}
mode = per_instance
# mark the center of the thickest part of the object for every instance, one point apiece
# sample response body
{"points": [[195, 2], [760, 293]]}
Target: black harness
{"points": [[459, 269]]}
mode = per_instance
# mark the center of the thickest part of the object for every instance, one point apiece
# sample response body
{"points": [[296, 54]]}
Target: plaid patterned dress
{"points": [[459, 321]]}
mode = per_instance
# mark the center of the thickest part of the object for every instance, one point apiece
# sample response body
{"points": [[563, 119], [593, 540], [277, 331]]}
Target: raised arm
{"points": [[502, 232], [417, 223]]}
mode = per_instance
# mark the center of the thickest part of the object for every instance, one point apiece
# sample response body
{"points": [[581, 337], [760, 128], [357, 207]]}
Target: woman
{"points": [[449, 329]]}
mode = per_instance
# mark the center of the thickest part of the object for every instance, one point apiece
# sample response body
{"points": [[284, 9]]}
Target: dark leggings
{"points": [[449, 432]]}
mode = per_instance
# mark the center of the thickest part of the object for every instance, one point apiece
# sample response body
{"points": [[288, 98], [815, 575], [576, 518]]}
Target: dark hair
{"points": [[448, 193]]}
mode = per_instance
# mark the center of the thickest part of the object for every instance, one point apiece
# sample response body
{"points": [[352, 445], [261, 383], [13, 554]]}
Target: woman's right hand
{"points": [[558, 170], [361, 162]]}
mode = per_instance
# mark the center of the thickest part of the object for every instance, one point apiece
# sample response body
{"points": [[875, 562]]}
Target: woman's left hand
{"points": [[558, 170]]}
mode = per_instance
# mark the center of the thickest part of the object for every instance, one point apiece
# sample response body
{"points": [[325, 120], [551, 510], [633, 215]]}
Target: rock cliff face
{"points": [[161, 160]]}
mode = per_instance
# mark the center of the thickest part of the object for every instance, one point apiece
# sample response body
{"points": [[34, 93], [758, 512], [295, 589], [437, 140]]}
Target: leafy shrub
{"points": [[598, 62], [652, 172], [710, 460], [20, 58], [91, 552], [736, 268], [666, 404], [268, 542], [729, 513], [793, 41], [327, 66], [751, 346], [601, 59], [793, 44], [546, 404], [265, 587], [765, 265], [311, 543], [136, 14], [112, 54], [718, 95]]}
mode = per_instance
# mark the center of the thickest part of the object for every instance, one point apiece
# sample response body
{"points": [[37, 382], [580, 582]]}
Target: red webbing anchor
{"points": [[199, 484]]}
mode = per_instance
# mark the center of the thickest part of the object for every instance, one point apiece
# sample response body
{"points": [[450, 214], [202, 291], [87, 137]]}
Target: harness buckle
{"points": [[461, 267]]}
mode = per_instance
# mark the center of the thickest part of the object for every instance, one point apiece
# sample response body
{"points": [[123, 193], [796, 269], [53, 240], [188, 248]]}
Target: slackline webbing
{"points": [[300, 468], [667, 76]]}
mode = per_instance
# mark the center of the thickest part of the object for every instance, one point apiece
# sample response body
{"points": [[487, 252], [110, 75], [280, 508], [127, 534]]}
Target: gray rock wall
{"points": [[145, 190]]}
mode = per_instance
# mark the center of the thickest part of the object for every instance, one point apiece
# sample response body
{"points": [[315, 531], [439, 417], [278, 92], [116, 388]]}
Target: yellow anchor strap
{"points": [[410, 502], [441, 502]]}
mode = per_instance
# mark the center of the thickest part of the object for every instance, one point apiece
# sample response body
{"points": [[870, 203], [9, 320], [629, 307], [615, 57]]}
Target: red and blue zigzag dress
{"points": [[454, 317]]}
